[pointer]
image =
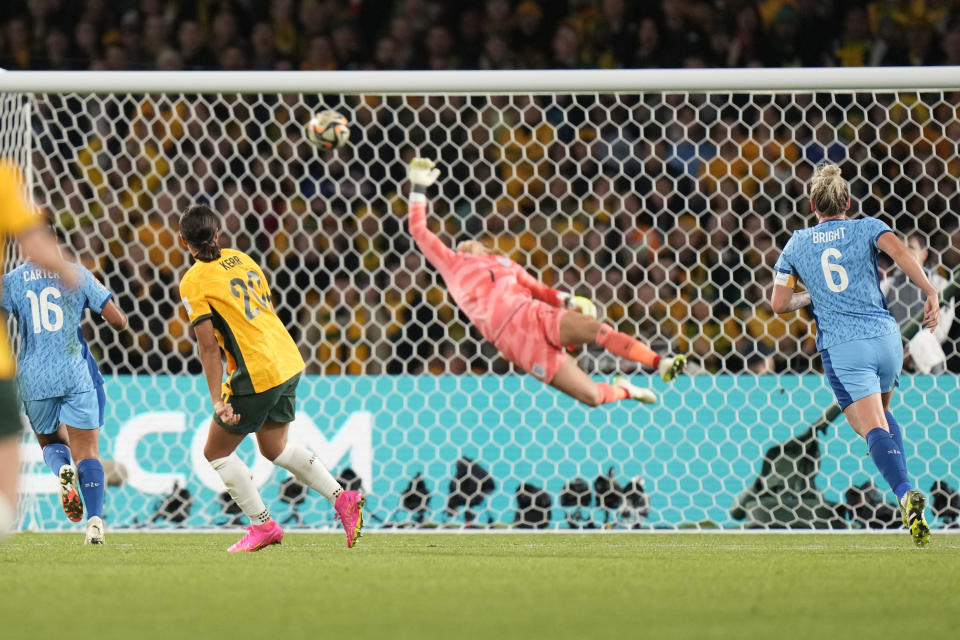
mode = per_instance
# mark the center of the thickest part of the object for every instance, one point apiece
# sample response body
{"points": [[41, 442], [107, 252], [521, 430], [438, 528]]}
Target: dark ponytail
{"points": [[199, 226]]}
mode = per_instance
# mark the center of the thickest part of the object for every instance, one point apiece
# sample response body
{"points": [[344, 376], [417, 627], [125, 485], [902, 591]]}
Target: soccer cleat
{"points": [[637, 393], [94, 531], [69, 496], [349, 508], [911, 511], [670, 368], [258, 536]]}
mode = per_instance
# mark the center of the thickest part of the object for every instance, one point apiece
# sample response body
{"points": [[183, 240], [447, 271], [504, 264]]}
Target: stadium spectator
{"points": [[924, 353], [225, 32], [155, 36], [193, 49], [785, 36], [320, 55], [747, 44], [346, 46], [566, 48], [888, 48], [529, 31], [951, 47], [57, 53], [264, 53], [855, 41], [647, 52]]}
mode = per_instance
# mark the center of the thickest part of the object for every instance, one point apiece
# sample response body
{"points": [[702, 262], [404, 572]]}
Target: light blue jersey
{"points": [[837, 262], [54, 360]]}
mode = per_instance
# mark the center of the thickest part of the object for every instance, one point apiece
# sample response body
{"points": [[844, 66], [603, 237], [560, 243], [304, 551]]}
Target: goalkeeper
{"points": [[526, 320]]}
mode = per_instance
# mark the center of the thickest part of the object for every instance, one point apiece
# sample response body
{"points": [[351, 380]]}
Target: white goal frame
{"points": [[465, 82]]}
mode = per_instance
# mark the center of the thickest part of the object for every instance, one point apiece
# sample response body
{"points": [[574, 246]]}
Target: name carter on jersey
{"points": [[39, 274]]}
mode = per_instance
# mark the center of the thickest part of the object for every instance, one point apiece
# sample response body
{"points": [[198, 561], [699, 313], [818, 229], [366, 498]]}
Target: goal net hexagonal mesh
{"points": [[666, 208]]}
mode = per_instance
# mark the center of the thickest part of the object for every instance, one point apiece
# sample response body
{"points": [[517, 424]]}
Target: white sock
{"points": [[236, 476], [304, 465], [8, 516]]}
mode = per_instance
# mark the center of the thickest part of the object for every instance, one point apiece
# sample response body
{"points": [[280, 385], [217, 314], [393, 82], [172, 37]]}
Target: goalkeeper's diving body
{"points": [[527, 321]]}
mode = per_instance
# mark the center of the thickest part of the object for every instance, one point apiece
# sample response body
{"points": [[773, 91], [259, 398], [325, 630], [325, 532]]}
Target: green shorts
{"points": [[9, 409], [278, 404]]}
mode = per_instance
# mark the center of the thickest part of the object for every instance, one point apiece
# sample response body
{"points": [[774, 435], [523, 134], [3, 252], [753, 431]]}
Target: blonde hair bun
{"points": [[829, 192]]}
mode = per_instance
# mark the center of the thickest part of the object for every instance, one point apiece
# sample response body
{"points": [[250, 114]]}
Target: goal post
{"points": [[665, 196]]}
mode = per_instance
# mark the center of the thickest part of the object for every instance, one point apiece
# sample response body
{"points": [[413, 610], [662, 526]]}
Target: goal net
{"points": [[667, 207]]}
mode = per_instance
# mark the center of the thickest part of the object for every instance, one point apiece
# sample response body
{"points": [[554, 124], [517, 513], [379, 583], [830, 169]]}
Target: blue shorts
{"points": [[78, 410], [860, 368]]}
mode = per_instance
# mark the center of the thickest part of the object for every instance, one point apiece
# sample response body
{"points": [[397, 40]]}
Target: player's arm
{"points": [[539, 290], [114, 316], [785, 298], [891, 245], [100, 300], [423, 173], [209, 351], [553, 297]]}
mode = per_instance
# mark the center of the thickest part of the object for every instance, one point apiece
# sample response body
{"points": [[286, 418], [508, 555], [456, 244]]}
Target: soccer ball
{"points": [[328, 130]]}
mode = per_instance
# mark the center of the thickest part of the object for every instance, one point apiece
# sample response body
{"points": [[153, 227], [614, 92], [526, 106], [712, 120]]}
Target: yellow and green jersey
{"points": [[16, 216], [232, 293]]}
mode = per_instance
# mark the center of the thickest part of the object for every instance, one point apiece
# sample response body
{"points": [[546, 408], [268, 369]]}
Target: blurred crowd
{"points": [[668, 210], [488, 34]]}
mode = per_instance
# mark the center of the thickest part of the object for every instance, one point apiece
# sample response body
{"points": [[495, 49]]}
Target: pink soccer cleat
{"points": [[349, 507], [258, 536]]}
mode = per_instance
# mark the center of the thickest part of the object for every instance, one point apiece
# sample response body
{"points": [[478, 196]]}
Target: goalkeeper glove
{"points": [[422, 172], [580, 304]]}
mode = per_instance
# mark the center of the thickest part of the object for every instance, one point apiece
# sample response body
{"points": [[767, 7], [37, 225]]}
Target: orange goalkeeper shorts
{"points": [[531, 340]]}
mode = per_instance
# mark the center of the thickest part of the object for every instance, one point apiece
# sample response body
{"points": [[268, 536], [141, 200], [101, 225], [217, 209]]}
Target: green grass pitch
{"points": [[394, 586]]}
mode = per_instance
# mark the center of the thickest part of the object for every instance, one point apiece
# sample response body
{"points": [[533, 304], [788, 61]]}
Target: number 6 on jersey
{"points": [[831, 269]]}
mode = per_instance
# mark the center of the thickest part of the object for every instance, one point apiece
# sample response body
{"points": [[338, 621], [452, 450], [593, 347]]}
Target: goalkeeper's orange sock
{"points": [[620, 344], [609, 393]]}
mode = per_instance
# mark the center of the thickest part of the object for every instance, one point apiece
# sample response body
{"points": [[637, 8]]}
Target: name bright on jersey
{"points": [[828, 236]]}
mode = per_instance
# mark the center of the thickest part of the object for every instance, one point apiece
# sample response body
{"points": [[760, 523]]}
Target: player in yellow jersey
{"points": [[18, 219], [228, 301]]}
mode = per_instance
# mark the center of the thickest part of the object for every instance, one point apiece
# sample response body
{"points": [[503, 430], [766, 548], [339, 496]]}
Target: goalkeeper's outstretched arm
{"points": [[556, 298], [423, 173]]}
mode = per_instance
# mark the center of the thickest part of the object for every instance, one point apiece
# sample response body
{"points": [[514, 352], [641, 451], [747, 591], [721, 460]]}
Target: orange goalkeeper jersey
{"points": [[16, 216], [232, 293], [488, 289]]}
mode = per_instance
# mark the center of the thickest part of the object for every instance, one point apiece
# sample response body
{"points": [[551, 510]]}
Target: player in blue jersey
{"points": [[18, 219], [59, 382], [858, 339]]}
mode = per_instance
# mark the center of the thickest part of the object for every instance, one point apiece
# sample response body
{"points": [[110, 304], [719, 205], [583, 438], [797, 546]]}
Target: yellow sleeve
{"points": [[194, 301], [16, 214]]}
